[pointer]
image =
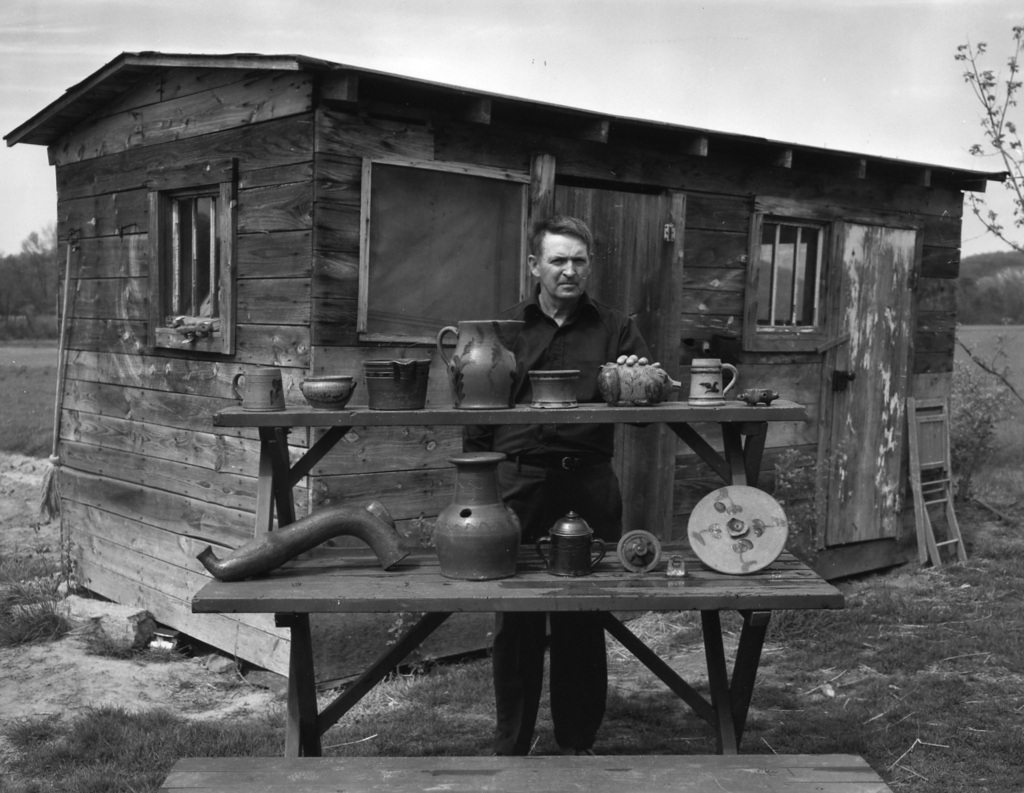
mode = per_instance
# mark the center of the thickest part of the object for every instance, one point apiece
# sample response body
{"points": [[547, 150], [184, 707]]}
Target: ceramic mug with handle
{"points": [[262, 388], [706, 381]]}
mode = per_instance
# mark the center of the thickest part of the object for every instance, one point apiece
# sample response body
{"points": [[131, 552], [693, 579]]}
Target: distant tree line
{"points": [[29, 288], [990, 290]]}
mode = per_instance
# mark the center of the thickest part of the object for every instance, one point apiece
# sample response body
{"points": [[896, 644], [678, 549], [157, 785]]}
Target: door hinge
{"points": [[670, 232]]}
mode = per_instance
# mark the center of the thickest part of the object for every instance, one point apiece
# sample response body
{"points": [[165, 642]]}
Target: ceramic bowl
{"points": [[554, 389], [330, 392]]}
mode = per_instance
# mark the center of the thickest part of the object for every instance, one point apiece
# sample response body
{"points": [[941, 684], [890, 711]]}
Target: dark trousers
{"points": [[579, 667]]}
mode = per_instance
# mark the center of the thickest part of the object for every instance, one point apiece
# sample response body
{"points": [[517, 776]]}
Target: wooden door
{"points": [[865, 383], [638, 268]]}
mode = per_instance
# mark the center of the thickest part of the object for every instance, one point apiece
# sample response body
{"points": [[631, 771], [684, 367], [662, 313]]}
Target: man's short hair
{"points": [[561, 224]]}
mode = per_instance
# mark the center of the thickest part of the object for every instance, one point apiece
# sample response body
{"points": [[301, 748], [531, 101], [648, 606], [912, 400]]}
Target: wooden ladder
{"points": [[931, 478]]}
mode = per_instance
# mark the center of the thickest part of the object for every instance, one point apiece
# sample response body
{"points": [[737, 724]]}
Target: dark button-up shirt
{"points": [[595, 334]]}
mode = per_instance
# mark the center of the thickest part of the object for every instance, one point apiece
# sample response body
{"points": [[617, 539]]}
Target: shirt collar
{"points": [[532, 304]]}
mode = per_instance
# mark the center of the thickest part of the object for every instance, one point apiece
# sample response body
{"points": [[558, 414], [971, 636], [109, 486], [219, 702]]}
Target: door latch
{"points": [[841, 379], [670, 232]]}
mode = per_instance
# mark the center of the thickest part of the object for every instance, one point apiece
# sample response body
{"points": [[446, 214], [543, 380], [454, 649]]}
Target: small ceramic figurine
{"points": [[754, 395], [641, 384]]}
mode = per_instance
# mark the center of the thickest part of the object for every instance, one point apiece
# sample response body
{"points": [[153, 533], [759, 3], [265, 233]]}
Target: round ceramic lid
{"points": [[737, 529]]}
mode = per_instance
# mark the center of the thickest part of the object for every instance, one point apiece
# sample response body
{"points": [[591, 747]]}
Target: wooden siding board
{"points": [[339, 179], [169, 511], [112, 298], [287, 207], [269, 345], [347, 134], [391, 449], [169, 84], [232, 490], [121, 559], [204, 450], [108, 257], [715, 249], [259, 146], [337, 228], [266, 97], [274, 301], [283, 254], [711, 212]]}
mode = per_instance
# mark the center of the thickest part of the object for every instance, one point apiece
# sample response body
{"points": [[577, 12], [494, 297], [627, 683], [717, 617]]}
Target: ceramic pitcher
{"points": [[482, 368], [706, 381]]}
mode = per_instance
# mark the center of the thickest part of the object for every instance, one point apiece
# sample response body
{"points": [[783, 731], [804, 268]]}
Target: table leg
{"points": [[665, 673], [302, 734], [264, 490], [744, 671], [355, 691], [280, 462], [718, 681]]}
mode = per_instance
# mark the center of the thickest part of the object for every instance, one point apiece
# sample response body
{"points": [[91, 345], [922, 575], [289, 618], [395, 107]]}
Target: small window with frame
{"points": [[192, 242], [785, 293], [441, 243]]}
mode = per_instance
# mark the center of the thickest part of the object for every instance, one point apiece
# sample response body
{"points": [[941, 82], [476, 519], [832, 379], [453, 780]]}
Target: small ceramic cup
{"points": [[261, 389]]}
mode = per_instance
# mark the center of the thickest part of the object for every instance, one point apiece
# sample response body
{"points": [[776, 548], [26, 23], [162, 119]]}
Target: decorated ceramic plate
{"points": [[737, 529]]}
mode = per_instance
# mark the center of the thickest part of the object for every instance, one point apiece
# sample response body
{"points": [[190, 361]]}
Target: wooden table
{"points": [[354, 582]]}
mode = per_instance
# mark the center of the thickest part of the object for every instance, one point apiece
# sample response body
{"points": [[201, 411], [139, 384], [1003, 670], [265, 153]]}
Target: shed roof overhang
{"points": [[80, 101]]}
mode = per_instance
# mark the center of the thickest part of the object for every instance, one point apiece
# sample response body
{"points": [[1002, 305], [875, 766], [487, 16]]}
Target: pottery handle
{"points": [[540, 553], [599, 546], [728, 367], [440, 334], [234, 385]]}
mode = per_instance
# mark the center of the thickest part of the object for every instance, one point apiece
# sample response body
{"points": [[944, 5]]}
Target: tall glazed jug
{"points": [[482, 368], [476, 535]]}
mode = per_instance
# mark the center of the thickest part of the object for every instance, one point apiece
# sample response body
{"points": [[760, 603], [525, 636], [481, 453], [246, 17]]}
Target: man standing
{"points": [[552, 469]]}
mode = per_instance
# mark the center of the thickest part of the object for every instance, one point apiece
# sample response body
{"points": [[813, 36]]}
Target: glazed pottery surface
{"points": [[753, 396], [399, 384], [260, 389], [476, 536], [572, 548], [482, 368], [554, 389], [706, 381], [329, 392], [737, 529], [639, 384]]}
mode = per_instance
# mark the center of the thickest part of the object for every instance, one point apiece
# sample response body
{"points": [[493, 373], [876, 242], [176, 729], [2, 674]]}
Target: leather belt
{"points": [[564, 462]]}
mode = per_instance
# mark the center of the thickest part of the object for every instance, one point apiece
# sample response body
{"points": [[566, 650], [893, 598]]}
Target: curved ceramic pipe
{"points": [[373, 525]]}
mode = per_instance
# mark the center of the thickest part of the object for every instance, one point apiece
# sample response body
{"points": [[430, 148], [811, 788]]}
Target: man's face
{"points": [[562, 267]]}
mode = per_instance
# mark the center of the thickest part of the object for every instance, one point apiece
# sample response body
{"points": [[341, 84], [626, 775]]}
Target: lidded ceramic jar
{"points": [[573, 549]]}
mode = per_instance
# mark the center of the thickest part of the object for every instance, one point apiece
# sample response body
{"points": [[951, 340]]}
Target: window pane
{"points": [[195, 269], [443, 247], [789, 275]]}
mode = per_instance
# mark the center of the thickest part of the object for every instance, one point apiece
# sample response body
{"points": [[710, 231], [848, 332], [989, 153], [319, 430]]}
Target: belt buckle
{"points": [[570, 463]]}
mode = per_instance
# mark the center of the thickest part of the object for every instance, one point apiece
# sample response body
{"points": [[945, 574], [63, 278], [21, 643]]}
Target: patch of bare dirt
{"points": [[62, 678]]}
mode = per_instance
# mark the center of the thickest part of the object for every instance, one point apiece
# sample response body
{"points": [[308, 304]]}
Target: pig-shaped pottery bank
{"points": [[641, 384], [754, 395]]}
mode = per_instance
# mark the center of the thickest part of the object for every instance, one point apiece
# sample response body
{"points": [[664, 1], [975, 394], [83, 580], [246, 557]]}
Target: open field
{"points": [[28, 383]]}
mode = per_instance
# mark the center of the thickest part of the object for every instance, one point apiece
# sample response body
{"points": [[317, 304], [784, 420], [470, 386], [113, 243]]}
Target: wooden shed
{"points": [[231, 211]]}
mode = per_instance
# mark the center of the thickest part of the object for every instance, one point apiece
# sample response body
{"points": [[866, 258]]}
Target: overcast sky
{"points": [[867, 76]]}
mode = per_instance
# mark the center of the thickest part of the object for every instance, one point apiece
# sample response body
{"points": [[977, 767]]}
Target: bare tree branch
{"points": [[988, 367]]}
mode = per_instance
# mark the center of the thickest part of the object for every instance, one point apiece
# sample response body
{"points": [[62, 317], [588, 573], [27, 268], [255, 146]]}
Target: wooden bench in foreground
{"points": [[829, 773]]}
